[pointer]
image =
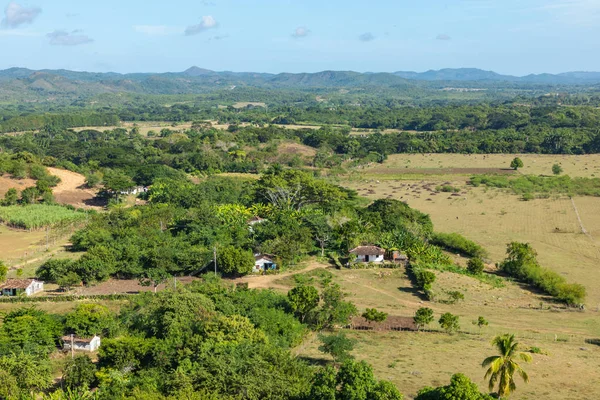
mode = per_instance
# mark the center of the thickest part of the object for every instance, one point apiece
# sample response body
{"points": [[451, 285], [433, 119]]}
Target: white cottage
{"points": [[263, 262], [16, 287], [366, 254], [80, 344]]}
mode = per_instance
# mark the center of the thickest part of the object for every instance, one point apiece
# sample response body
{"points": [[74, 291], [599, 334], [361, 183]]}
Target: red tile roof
{"points": [[368, 251], [16, 284]]}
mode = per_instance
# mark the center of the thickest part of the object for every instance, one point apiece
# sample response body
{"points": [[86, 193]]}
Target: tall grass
{"points": [[37, 216]]}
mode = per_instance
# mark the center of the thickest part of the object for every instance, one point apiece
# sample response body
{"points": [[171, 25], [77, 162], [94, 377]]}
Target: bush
{"points": [[449, 322], [458, 243], [475, 266], [371, 314], [522, 264]]}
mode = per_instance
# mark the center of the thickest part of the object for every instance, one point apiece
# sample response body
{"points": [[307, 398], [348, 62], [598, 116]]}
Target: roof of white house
{"points": [[268, 257], [16, 283], [368, 251], [67, 339]]}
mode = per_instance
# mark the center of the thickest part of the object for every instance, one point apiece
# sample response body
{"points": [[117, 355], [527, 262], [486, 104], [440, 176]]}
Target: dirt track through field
{"points": [[269, 281], [71, 189]]}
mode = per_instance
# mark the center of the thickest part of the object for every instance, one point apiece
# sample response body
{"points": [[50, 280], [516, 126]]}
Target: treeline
{"points": [[206, 340], [33, 122]]}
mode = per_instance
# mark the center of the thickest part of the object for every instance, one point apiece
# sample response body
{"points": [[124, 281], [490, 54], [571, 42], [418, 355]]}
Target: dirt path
{"points": [[71, 189], [269, 281]]}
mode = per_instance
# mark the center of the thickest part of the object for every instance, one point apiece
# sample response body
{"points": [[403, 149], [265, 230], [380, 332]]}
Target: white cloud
{"points": [[207, 22], [300, 32], [366, 37], [64, 38], [443, 36], [16, 15], [156, 30]]}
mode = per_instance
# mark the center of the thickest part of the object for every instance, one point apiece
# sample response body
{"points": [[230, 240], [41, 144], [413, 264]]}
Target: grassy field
{"points": [[406, 358], [37, 216]]}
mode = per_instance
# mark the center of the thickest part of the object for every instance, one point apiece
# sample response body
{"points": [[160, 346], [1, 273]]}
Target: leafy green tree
{"points": [[449, 322], [11, 197], [154, 277], [30, 195], [371, 314], [516, 163], [475, 266], [235, 261], [68, 280], [3, 271], [117, 182], [338, 346], [334, 311], [503, 367], [31, 373], [303, 299], [460, 388], [54, 269], [356, 382], [91, 319], [557, 169], [423, 317], [481, 322], [29, 330], [79, 373], [324, 386]]}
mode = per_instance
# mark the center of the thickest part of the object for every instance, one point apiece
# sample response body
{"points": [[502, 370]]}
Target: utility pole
{"points": [[46, 238], [72, 347], [215, 258]]}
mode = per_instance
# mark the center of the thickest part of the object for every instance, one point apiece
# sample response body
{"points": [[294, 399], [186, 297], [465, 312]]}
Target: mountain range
{"points": [[18, 83]]}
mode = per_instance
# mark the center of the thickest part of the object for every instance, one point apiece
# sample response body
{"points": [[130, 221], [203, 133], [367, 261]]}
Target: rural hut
{"points": [[366, 254], [17, 287], [264, 262], [72, 342]]}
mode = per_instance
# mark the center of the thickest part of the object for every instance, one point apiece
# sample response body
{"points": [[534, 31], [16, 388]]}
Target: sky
{"points": [[515, 37]]}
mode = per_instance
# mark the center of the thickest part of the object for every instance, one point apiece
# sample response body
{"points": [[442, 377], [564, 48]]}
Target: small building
{"points": [[368, 254], [81, 344], [264, 262], [399, 258], [17, 287], [253, 221]]}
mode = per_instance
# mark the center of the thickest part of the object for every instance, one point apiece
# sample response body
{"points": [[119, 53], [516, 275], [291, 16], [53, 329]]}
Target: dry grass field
{"points": [[408, 360]]}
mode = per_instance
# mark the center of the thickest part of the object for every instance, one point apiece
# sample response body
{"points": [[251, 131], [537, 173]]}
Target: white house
{"points": [[16, 287], [368, 254], [80, 344], [263, 262]]}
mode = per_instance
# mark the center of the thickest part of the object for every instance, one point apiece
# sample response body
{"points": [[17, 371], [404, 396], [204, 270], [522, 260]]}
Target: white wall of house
{"points": [[370, 258], [259, 265], [79, 345], [35, 287]]}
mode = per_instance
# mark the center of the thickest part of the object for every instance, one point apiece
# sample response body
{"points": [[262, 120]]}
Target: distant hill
{"points": [[26, 84]]}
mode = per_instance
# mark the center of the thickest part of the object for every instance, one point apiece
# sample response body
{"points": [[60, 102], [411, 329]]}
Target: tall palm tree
{"points": [[503, 367]]}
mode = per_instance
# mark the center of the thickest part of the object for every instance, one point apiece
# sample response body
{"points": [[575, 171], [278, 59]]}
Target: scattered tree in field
{"points": [[79, 373], [154, 277], [449, 322], [303, 299], [503, 367], [481, 322], [235, 261], [475, 266], [335, 310], [557, 169], [423, 317], [338, 346], [371, 314], [460, 388], [455, 297], [516, 163]]}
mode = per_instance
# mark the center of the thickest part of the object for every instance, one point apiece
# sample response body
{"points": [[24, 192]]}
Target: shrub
{"points": [[371, 314], [458, 243], [475, 266], [449, 322]]}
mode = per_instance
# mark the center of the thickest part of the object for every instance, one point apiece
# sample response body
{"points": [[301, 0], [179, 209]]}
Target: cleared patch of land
{"points": [[7, 182], [71, 190]]}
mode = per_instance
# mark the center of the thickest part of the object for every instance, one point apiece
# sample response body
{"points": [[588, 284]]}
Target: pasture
{"points": [[495, 217]]}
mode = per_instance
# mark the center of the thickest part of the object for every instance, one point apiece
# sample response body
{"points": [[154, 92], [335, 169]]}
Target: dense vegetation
{"points": [[36, 216]]}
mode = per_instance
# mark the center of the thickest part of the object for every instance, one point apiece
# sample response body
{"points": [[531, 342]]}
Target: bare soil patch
{"points": [[7, 182], [132, 286], [71, 190], [443, 171], [297, 148]]}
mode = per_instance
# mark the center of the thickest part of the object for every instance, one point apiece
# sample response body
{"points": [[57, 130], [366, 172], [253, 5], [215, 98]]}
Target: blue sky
{"points": [[507, 36]]}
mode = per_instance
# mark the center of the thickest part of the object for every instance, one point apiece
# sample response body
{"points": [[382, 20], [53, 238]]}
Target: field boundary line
{"points": [[583, 230]]}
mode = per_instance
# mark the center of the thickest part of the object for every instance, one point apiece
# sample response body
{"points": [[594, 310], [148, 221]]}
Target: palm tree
{"points": [[503, 367]]}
